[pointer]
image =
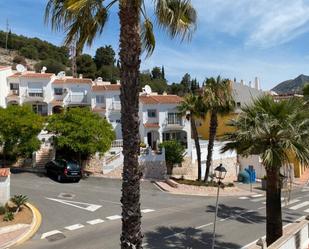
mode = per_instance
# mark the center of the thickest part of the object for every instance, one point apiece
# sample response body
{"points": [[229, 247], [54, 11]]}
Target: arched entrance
{"points": [[57, 109]]}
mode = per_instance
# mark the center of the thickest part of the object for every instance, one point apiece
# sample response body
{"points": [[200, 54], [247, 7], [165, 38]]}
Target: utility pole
{"points": [[7, 34]]}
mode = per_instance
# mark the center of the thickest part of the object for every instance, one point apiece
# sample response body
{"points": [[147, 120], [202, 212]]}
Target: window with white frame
{"points": [[99, 99], [58, 91], [174, 118], [152, 113]]}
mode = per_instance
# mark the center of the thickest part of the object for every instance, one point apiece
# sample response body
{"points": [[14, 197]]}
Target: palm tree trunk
{"points": [[130, 50], [273, 206], [212, 135], [198, 148]]}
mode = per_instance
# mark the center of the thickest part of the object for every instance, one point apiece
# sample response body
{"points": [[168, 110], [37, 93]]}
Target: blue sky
{"points": [[234, 38]]}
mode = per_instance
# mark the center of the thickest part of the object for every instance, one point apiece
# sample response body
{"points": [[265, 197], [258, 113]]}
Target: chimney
{"points": [[164, 93], [257, 83], [80, 76]]}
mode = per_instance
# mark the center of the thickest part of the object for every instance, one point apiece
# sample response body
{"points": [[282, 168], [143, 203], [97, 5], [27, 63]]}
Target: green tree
{"points": [[163, 73], [186, 83], [174, 152], [105, 56], [81, 132], [194, 108], [273, 130], [84, 20], [156, 73], [52, 66], [306, 93], [108, 73], [218, 99], [30, 52], [86, 66], [19, 128]]}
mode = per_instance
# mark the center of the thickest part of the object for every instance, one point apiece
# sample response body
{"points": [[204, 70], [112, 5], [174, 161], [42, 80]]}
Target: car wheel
{"points": [[59, 178]]}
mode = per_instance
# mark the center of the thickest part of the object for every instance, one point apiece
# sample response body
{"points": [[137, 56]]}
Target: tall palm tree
{"points": [[178, 18], [193, 107], [272, 130], [218, 99]]}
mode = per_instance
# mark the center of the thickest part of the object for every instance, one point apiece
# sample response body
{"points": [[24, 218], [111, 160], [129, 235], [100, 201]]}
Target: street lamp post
{"points": [[220, 173]]}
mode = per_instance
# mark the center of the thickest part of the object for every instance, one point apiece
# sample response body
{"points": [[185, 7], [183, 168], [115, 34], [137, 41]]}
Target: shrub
{"points": [[30, 52], [8, 216], [173, 151], [52, 66], [19, 200], [18, 59], [2, 210]]}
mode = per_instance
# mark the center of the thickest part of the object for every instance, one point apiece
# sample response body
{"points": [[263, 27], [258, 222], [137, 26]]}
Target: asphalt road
{"points": [[86, 215]]}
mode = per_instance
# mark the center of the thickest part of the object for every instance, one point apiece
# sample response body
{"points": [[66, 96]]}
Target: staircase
{"points": [[43, 156]]}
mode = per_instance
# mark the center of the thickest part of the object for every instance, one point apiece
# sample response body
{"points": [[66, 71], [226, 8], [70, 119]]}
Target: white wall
{"points": [[4, 86], [253, 160]]}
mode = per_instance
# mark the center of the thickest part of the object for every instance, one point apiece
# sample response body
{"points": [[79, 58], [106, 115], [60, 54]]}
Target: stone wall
{"points": [[154, 170]]}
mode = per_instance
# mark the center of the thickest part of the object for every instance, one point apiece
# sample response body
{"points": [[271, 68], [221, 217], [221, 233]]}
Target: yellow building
{"points": [[243, 95]]}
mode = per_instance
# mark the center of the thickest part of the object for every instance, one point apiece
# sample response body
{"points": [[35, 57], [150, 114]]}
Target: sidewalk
{"points": [[184, 189], [303, 180], [12, 233]]}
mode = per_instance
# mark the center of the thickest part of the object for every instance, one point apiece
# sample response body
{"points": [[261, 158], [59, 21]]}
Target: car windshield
{"points": [[73, 166]]}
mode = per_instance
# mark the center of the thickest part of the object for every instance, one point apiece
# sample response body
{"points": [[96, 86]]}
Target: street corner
{"points": [[18, 234]]}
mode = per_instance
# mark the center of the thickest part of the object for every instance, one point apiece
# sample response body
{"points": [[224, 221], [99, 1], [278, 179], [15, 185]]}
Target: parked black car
{"points": [[63, 169]]}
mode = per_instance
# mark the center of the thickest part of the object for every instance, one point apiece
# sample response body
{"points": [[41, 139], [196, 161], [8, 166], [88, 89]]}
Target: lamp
{"points": [[220, 173]]}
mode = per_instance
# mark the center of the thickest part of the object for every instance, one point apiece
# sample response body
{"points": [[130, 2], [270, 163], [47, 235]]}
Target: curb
{"points": [[34, 226]]}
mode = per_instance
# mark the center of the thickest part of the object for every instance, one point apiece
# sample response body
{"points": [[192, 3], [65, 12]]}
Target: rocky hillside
{"points": [[6, 58], [292, 86]]}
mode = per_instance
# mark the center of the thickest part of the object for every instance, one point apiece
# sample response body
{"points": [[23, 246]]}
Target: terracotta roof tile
{"points": [[99, 109], [15, 75], [151, 125], [4, 67], [73, 81], [111, 87], [160, 99], [37, 75], [5, 172]]}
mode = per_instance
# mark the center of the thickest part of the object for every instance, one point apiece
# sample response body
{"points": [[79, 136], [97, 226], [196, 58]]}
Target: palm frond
{"points": [[147, 37], [177, 17]]}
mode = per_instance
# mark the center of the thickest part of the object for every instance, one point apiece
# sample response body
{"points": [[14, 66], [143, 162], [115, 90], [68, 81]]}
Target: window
{"points": [[14, 86], [174, 118], [118, 121], [58, 91], [238, 104], [152, 113], [99, 99]]}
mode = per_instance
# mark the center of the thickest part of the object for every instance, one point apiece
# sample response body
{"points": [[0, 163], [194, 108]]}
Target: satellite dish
{"points": [[147, 89], [20, 68], [44, 69], [61, 74], [99, 79]]}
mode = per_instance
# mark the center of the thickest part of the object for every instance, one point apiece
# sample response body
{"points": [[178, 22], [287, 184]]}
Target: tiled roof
{"points": [[15, 75], [73, 81], [111, 87], [4, 67], [160, 99], [37, 75], [151, 125], [99, 109], [5, 172]]}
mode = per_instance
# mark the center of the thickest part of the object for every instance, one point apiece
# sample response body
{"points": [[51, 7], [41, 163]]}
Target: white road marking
{"points": [[114, 217], [300, 205], [145, 211], [243, 198], [173, 235], [94, 222], [261, 207], [113, 202], [74, 227], [257, 195], [289, 202], [202, 226], [50, 233], [81, 205], [259, 199]]}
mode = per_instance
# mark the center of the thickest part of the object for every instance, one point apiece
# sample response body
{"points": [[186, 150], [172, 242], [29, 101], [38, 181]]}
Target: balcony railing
{"points": [[76, 99], [14, 92], [35, 93], [115, 106]]}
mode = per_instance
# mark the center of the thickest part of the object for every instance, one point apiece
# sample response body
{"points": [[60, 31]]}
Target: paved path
{"points": [[87, 215]]}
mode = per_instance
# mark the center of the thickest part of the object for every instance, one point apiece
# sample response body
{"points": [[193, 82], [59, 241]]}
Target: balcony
{"points": [[34, 95], [76, 99], [174, 120], [115, 106]]}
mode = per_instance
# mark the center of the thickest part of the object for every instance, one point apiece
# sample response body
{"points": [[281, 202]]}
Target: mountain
{"points": [[292, 86]]}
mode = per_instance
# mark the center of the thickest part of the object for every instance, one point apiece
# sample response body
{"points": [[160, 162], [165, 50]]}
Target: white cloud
{"points": [[262, 23]]}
